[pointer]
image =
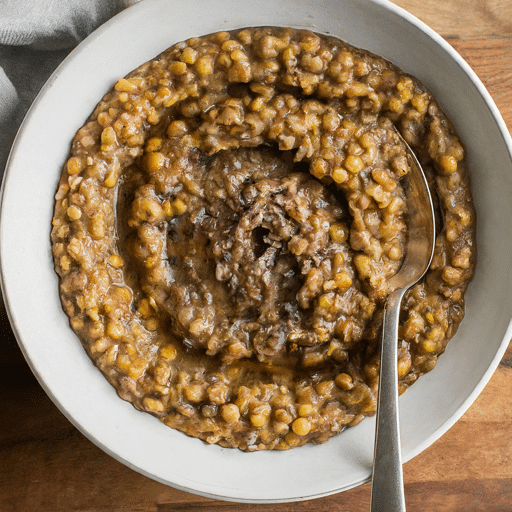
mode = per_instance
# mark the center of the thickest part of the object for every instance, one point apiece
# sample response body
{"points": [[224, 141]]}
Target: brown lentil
{"points": [[217, 283]]}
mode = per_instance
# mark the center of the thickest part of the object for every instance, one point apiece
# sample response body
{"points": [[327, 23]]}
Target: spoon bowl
{"points": [[421, 226]]}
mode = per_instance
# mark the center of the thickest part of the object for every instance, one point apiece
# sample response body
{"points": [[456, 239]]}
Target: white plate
{"points": [[138, 440]]}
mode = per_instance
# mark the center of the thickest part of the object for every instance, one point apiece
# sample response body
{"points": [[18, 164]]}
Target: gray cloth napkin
{"points": [[35, 36]]}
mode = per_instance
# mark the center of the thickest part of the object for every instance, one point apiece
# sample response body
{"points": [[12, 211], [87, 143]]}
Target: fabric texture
{"points": [[35, 36], [52, 24], [8, 96]]}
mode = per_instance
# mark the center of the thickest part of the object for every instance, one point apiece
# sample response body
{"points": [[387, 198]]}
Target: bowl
{"points": [[139, 440]]}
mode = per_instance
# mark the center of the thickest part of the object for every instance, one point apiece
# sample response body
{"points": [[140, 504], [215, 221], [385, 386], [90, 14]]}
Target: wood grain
{"points": [[491, 60], [464, 19], [46, 465]]}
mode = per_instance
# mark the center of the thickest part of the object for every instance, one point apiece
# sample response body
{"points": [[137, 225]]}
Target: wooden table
{"points": [[47, 465]]}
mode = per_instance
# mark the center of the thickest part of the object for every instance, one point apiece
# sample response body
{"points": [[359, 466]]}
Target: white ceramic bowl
{"points": [[138, 440]]}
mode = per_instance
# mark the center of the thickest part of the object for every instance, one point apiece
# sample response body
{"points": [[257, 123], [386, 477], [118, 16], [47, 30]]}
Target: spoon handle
{"points": [[387, 481]]}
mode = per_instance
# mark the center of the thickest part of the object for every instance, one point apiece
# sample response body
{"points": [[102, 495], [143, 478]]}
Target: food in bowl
{"points": [[226, 224]]}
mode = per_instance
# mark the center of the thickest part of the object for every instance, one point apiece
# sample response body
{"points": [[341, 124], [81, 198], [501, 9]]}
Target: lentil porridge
{"points": [[226, 224]]}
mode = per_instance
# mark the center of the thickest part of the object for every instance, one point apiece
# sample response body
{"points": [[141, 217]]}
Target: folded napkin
{"points": [[35, 35]]}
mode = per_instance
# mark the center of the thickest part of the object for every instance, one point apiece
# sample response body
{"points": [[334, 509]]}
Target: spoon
{"points": [[387, 480]]}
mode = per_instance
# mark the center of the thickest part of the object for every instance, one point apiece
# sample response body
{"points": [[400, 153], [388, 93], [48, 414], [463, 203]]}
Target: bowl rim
{"points": [[398, 11]]}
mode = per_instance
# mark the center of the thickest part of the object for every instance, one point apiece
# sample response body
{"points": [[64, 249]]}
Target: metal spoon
{"points": [[387, 480]]}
